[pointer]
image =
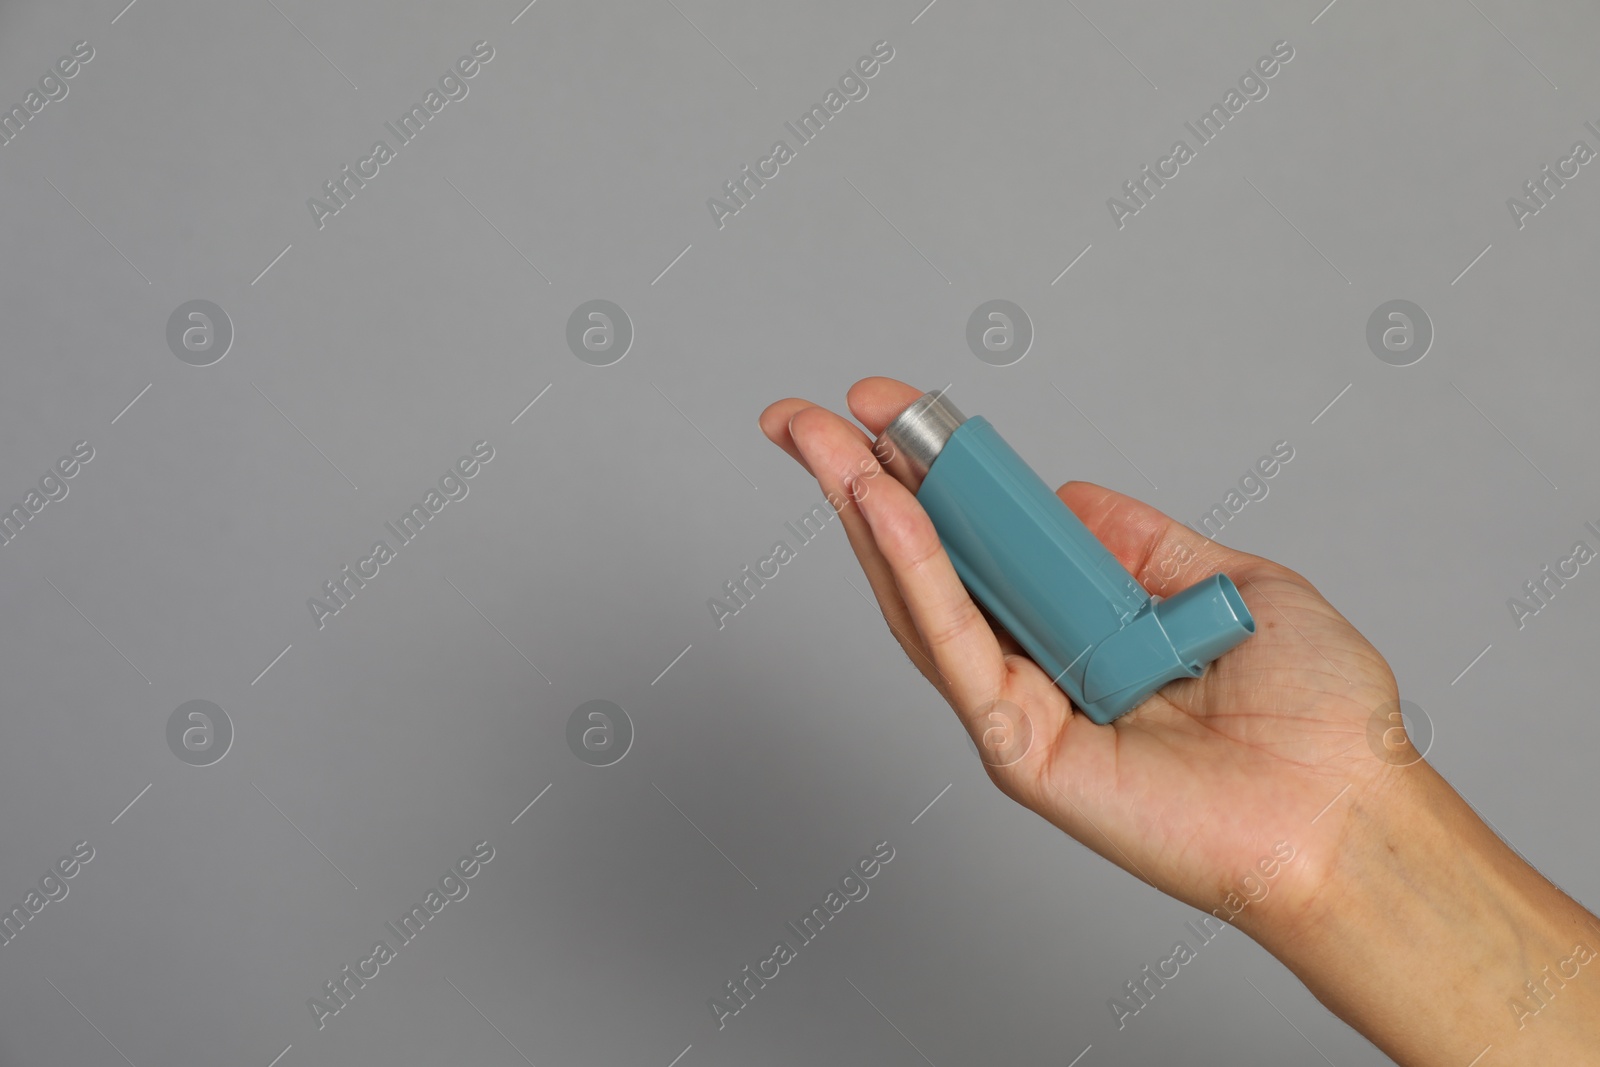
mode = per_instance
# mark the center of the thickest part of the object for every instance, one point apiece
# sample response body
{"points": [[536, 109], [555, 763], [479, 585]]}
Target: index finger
{"points": [[953, 630]]}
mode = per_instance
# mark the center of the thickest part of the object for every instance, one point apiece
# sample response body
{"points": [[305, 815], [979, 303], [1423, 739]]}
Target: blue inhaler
{"points": [[1038, 570]]}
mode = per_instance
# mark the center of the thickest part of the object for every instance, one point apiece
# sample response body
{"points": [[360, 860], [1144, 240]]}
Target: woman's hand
{"points": [[1193, 789], [1276, 791]]}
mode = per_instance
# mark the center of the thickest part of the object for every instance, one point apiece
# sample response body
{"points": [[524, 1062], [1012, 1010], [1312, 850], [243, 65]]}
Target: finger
{"points": [[951, 628], [876, 401], [774, 423], [1162, 554]]}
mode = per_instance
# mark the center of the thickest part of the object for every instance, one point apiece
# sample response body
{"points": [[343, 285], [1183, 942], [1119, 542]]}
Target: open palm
{"points": [[1192, 790]]}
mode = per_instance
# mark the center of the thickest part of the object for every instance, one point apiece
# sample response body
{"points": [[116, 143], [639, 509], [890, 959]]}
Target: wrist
{"points": [[1421, 928]]}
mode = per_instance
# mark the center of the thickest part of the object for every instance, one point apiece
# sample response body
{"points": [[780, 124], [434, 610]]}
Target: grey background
{"points": [[1224, 317]]}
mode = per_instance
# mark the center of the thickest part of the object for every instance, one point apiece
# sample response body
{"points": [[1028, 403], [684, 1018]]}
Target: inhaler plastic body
{"points": [[1038, 570]]}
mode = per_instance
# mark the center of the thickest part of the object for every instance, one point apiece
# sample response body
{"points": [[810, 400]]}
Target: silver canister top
{"points": [[913, 440]]}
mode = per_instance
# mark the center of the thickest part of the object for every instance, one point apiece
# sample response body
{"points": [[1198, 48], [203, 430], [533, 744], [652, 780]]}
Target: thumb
{"points": [[1161, 553]]}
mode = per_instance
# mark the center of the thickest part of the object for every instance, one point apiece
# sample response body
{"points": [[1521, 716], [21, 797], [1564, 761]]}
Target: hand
{"points": [[1195, 787], [1400, 909]]}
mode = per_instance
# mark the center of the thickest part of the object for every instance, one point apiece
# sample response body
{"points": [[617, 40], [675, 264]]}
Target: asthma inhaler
{"points": [[1035, 566]]}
